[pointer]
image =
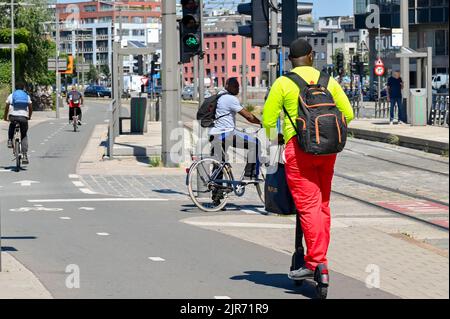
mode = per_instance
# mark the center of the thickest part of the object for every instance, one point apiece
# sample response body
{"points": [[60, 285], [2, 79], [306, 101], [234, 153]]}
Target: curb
{"points": [[429, 146]]}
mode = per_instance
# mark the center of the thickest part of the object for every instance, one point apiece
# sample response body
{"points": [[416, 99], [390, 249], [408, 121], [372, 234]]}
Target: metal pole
{"points": [[201, 61], [13, 53], [379, 57], [273, 43], [58, 75], [404, 62], [244, 67], [170, 108], [196, 82]]}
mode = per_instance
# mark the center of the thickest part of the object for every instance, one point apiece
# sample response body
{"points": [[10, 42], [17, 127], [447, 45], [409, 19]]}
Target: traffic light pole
{"points": [[201, 61], [404, 62], [273, 43], [170, 111], [244, 67]]}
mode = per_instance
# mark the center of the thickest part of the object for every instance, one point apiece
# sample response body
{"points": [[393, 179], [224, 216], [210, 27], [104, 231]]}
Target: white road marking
{"points": [[87, 191], [26, 183], [87, 208], [73, 176], [78, 184], [65, 218], [115, 199], [5, 171], [103, 234], [241, 225], [156, 259], [221, 297]]}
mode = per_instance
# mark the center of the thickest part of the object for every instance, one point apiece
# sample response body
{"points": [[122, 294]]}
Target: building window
{"points": [[253, 68], [223, 69], [223, 45], [215, 56], [207, 45], [263, 56], [223, 56], [316, 41], [234, 69], [439, 43], [322, 42], [215, 45], [234, 56], [137, 19], [233, 44], [208, 59], [90, 8], [253, 56]]}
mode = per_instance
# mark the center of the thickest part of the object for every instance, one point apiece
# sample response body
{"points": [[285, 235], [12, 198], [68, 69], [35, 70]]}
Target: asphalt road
{"points": [[128, 249]]}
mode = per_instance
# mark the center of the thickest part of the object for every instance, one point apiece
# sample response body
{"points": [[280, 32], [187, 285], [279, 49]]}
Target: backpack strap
{"points": [[324, 79], [217, 101], [297, 79]]}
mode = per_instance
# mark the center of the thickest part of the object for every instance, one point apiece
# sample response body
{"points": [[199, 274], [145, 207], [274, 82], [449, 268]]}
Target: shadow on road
{"points": [[278, 281]]}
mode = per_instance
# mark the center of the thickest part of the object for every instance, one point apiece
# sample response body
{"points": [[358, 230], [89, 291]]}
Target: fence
{"points": [[438, 115]]}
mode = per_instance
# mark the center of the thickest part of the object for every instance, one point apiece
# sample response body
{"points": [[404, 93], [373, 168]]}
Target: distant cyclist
{"points": [[19, 110], [75, 101]]}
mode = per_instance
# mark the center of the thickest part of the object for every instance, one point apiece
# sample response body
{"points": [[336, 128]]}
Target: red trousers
{"points": [[309, 178]]}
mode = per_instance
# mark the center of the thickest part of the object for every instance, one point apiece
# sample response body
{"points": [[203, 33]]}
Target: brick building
{"points": [[223, 59]]}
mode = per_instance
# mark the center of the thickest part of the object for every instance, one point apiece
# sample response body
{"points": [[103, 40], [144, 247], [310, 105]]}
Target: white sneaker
{"points": [[391, 123]]}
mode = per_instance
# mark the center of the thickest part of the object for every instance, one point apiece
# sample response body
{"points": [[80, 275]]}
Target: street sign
{"points": [[397, 37], [379, 62], [82, 67], [51, 64], [379, 70]]}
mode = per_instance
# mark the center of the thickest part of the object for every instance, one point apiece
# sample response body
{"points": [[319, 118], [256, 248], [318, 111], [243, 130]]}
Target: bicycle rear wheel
{"points": [[18, 153], [207, 195]]}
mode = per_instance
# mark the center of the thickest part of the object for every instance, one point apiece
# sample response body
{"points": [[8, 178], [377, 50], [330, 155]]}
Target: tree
{"points": [[34, 48], [92, 75]]}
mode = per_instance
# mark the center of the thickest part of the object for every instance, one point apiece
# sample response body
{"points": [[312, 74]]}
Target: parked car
{"points": [[97, 91], [187, 93]]}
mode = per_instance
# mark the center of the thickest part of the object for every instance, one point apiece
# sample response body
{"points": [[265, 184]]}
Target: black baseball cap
{"points": [[299, 48]]}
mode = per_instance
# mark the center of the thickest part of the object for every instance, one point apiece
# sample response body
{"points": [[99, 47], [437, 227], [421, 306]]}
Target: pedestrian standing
{"points": [[394, 96]]}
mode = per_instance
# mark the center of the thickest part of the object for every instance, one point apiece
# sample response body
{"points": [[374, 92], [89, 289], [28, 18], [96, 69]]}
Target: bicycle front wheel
{"points": [[260, 187], [208, 195]]}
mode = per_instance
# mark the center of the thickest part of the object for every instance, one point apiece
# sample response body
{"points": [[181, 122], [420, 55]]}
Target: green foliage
{"points": [[34, 47], [4, 92], [5, 72], [93, 75]]}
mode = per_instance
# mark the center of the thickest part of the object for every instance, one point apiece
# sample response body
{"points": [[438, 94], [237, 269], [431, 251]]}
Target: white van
{"points": [[439, 81]]}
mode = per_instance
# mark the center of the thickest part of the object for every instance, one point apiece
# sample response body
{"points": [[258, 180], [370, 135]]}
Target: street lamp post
{"points": [[13, 53]]}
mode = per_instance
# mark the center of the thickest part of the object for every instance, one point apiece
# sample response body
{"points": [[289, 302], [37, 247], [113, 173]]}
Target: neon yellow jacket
{"points": [[285, 92]]}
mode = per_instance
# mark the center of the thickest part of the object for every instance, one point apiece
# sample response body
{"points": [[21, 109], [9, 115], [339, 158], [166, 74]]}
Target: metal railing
{"points": [[438, 115], [382, 108]]}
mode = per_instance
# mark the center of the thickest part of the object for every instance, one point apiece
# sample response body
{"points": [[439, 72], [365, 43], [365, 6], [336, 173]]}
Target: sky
{"points": [[321, 7]]}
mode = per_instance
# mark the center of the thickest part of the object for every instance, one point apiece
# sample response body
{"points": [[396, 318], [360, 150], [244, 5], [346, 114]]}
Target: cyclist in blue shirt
{"points": [[19, 110]]}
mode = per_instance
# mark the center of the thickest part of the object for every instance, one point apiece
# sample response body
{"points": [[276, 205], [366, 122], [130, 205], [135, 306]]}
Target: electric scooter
{"points": [[321, 275]]}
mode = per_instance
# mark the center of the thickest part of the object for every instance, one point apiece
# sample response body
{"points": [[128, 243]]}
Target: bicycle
{"points": [[75, 120], [17, 147], [210, 192]]}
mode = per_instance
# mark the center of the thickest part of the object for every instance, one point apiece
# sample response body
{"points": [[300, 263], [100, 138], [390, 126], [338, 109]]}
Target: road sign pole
{"points": [[58, 75], [13, 54], [404, 62], [273, 43]]}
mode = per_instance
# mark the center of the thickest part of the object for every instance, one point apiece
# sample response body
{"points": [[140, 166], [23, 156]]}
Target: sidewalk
{"points": [[427, 138], [17, 282]]}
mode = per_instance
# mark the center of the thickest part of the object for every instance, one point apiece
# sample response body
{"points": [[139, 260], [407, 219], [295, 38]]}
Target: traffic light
{"points": [[70, 68], [138, 64], [290, 11], [339, 63], [190, 30], [258, 30], [155, 65], [355, 65]]}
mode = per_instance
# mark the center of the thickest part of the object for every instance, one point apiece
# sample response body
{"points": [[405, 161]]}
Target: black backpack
{"points": [[206, 114], [321, 127]]}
